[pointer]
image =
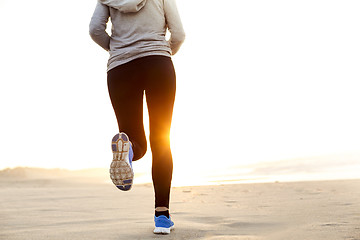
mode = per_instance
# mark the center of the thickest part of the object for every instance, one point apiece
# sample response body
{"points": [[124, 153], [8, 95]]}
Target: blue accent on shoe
{"points": [[124, 137], [114, 147], [131, 155], [163, 222], [127, 181], [116, 137], [124, 188]]}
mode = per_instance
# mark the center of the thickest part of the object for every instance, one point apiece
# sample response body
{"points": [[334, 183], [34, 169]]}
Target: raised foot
{"points": [[121, 172]]}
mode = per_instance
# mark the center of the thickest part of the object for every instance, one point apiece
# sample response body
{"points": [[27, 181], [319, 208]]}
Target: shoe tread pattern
{"points": [[121, 172]]}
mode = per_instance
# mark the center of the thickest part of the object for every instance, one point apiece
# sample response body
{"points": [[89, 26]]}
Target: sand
{"points": [[70, 209]]}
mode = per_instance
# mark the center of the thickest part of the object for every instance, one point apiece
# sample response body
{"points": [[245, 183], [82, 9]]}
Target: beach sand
{"points": [[70, 209]]}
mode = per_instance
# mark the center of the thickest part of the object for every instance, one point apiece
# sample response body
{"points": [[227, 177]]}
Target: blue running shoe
{"points": [[121, 171], [163, 225]]}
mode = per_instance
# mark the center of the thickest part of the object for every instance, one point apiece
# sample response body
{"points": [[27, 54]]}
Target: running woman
{"points": [[140, 62]]}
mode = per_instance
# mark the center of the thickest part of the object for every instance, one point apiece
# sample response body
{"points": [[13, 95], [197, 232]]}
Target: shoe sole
{"points": [[162, 230], [121, 172]]}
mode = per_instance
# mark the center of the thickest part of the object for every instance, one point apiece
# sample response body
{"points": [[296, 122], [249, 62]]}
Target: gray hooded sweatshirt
{"points": [[138, 29]]}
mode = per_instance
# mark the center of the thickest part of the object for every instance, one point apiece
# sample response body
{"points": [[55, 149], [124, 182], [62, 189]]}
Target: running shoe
{"points": [[121, 171], [163, 225]]}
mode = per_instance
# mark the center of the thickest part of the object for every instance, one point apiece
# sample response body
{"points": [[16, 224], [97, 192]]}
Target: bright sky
{"points": [[257, 81]]}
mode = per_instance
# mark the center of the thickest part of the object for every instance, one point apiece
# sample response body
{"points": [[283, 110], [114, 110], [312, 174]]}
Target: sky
{"points": [[257, 81]]}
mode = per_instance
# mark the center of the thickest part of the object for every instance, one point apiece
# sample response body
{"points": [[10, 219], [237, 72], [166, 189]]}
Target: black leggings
{"points": [[154, 75]]}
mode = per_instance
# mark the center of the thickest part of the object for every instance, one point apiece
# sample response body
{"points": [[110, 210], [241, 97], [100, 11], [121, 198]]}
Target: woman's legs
{"points": [[126, 94], [160, 96], [156, 76]]}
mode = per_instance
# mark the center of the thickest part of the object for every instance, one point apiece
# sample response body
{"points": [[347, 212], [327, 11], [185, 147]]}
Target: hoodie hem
{"points": [[115, 63]]}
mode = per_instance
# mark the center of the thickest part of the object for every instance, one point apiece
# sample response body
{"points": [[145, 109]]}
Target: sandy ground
{"points": [[58, 209]]}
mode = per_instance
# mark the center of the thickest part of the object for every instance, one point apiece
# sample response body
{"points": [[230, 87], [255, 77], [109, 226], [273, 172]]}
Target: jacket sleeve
{"points": [[97, 27], [177, 33]]}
